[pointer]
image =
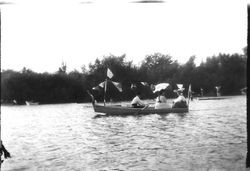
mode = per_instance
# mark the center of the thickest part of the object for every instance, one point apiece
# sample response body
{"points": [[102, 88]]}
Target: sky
{"points": [[41, 34]]}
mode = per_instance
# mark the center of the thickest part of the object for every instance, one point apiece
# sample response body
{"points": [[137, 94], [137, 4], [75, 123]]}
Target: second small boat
{"points": [[29, 103]]}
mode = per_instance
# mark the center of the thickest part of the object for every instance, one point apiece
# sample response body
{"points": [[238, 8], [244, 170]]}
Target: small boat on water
{"points": [[29, 103], [127, 110], [124, 110], [211, 98]]}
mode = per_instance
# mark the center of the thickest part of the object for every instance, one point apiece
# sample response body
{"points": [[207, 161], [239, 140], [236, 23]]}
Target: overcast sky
{"points": [[40, 34]]}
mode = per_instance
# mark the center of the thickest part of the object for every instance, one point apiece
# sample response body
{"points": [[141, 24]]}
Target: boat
{"points": [[29, 103], [211, 98], [124, 110], [129, 110]]}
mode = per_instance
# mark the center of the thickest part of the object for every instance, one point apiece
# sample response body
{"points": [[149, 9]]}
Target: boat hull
{"points": [[122, 110]]}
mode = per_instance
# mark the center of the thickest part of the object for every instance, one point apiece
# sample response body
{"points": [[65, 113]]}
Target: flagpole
{"points": [[109, 75], [189, 91], [105, 89]]}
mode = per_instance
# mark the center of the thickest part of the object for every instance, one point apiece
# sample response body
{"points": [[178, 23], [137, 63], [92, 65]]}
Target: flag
{"points": [[102, 84], [109, 73], [179, 86], [96, 88], [133, 86], [144, 83], [117, 85]]}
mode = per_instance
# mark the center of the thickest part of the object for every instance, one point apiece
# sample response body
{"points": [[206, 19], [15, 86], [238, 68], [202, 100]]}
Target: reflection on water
{"points": [[69, 137]]}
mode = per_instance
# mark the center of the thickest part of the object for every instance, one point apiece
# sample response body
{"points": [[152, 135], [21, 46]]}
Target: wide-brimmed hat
{"points": [[180, 90]]}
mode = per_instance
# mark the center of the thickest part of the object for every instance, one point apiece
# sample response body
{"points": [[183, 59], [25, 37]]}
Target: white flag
{"points": [[133, 86], [96, 88], [109, 73], [179, 86], [118, 86], [144, 83], [102, 84]]}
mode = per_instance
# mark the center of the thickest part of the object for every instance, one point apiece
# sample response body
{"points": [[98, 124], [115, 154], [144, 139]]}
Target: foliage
{"points": [[227, 71]]}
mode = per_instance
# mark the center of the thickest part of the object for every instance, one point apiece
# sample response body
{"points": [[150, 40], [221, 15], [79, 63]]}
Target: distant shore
{"points": [[150, 101], [224, 73]]}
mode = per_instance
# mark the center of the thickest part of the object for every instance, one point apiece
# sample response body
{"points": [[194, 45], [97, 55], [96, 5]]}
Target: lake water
{"points": [[212, 136]]}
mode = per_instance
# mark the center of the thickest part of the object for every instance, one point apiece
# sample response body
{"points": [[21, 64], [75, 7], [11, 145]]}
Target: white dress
{"points": [[161, 103]]}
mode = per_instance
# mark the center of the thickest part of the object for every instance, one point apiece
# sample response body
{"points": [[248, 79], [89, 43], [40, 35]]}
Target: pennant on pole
{"points": [[133, 86], [144, 83], [96, 88], [179, 86], [118, 86], [109, 73], [102, 84]]}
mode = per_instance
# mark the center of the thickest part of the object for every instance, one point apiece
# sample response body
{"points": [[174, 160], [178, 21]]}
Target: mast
{"points": [[105, 89]]}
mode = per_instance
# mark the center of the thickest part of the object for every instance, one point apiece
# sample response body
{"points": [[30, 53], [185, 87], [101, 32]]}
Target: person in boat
{"points": [[161, 101], [180, 101], [137, 102], [4, 152]]}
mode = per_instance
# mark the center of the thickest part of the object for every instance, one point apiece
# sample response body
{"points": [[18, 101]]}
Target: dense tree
{"points": [[227, 71], [232, 72], [159, 68]]}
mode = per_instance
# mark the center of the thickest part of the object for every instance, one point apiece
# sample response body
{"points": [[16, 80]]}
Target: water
{"points": [[212, 136]]}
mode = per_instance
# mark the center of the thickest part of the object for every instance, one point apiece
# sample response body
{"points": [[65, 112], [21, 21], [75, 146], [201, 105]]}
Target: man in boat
{"points": [[137, 102], [180, 101], [161, 101]]}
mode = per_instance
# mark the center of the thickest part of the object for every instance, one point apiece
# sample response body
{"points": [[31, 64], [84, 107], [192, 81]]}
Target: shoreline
{"points": [[146, 100]]}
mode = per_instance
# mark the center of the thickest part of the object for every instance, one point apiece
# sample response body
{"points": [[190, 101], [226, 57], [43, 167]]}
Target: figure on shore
{"points": [[201, 92], [218, 91]]}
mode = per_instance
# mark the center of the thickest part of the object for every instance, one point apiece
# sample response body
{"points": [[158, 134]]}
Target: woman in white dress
{"points": [[161, 101], [180, 101]]}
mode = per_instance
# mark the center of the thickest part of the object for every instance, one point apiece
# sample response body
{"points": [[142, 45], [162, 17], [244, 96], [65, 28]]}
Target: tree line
{"points": [[225, 70]]}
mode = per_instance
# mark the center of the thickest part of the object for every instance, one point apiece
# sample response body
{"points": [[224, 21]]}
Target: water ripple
{"points": [[212, 136]]}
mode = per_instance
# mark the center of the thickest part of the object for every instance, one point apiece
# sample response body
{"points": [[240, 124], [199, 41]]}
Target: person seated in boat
{"points": [[137, 102], [161, 101], [180, 101]]}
